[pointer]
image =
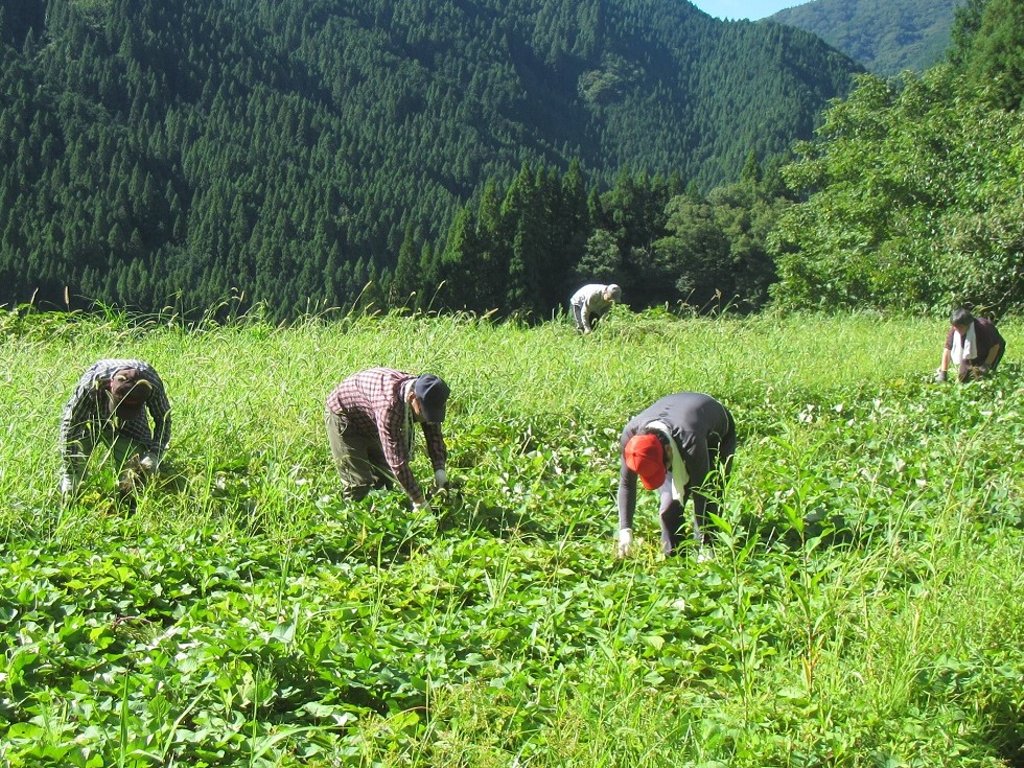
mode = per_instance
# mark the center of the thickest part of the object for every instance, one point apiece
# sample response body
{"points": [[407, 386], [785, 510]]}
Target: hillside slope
{"points": [[159, 147], [886, 36]]}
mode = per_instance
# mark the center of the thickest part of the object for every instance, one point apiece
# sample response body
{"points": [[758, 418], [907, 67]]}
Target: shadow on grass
{"points": [[830, 531], [457, 513], [1006, 728]]}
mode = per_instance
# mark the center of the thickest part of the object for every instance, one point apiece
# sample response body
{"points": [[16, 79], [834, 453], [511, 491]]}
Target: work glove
{"points": [[420, 506], [940, 376], [149, 463], [67, 485], [440, 478], [625, 544]]}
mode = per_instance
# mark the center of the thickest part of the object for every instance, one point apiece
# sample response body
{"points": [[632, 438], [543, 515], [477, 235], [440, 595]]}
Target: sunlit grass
{"points": [[863, 607]]}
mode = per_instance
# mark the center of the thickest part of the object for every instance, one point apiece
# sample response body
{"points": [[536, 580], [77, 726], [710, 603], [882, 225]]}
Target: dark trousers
{"points": [[706, 492], [578, 318], [967, 371], [358, 458]]}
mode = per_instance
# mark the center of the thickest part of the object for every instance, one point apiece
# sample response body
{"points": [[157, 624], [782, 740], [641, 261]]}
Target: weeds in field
{"points": [[863, 606]]}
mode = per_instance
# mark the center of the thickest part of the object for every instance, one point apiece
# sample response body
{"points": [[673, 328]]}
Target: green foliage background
{"points": [[911, 189], [863, 608]]}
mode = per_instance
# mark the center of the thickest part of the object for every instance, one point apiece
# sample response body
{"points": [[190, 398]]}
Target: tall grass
{"points": [[863, 607]]}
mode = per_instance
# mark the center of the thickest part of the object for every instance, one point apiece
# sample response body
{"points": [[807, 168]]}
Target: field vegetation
{"points": [[865, 606]]}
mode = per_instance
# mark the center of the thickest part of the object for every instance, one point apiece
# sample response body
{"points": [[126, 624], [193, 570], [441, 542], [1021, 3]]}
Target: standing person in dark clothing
{"points": [[109, 406], [369, 419], [973, 345], [675, 446]]}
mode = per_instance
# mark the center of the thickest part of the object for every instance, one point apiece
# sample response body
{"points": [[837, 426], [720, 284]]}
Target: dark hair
{"points": [[662, 438], [961, 316]]}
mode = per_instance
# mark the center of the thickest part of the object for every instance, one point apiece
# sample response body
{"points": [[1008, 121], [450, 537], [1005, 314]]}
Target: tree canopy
{"points": [[913, 187]]}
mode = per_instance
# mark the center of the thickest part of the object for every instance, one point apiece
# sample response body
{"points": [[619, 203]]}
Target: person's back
{"points": [[592, 302]]}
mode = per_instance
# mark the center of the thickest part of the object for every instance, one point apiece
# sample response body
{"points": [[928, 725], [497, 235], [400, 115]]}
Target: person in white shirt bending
{"points": [[592, 302]]}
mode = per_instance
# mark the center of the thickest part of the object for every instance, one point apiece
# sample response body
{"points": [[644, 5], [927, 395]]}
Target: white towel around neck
{"points": [[680, 477], [410, 441], [964, 346]]}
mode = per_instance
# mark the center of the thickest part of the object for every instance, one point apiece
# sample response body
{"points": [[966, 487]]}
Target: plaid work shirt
{"points": [[88, 411], [374, 404]]}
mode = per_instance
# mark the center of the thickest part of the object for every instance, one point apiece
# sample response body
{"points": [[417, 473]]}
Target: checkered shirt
{"points": [[88, 410], [373, 402]]}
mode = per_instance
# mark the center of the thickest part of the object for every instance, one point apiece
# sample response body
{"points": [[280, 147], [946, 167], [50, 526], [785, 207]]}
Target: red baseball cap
{"points": [[645, 455]]}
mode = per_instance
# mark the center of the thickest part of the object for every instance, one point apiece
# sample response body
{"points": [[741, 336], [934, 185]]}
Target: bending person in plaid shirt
{"points": [[369, 419], [109, 406]]}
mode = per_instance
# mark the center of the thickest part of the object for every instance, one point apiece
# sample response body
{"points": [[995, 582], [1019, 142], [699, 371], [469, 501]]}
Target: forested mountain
{"points": [[886, 36], [286, 148]]}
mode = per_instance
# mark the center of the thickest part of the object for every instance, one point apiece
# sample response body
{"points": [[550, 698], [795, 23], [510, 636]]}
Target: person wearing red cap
{"points": [[674, 447], [109, 406], [369, 418]]}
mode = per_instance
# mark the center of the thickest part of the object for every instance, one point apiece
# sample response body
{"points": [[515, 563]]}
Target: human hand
{"points": [[440, 478], [420, 506], [625, 544], [940, 376], [149, 463], [972, 373]]}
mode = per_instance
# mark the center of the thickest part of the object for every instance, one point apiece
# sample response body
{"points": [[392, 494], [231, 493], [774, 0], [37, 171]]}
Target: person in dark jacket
{"points": [[973, 345], [677, 447]]}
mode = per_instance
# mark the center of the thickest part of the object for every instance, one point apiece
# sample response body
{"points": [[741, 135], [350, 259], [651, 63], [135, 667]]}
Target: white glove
{"points": [[625, 542], [440, 478], [420, 506], [67, 485], [149, 463]]}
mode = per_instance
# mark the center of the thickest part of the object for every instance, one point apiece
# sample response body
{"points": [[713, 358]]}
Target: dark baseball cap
{"points": [[433, 395]]}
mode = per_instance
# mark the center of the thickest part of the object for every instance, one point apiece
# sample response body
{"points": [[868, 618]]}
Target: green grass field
{"points": [[865, 606]]}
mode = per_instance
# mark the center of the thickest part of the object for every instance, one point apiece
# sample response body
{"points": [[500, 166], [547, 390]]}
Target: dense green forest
{"points": [[490, 159], [911, 193], [153, 149], [909, 198], [886, 36]]}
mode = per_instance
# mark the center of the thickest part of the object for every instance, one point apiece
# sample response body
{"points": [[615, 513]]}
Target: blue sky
{"points": [[744, 9]]}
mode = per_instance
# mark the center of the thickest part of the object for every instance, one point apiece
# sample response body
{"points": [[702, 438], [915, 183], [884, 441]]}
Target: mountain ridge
{"points": [[165, 143], [886, 36]]}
